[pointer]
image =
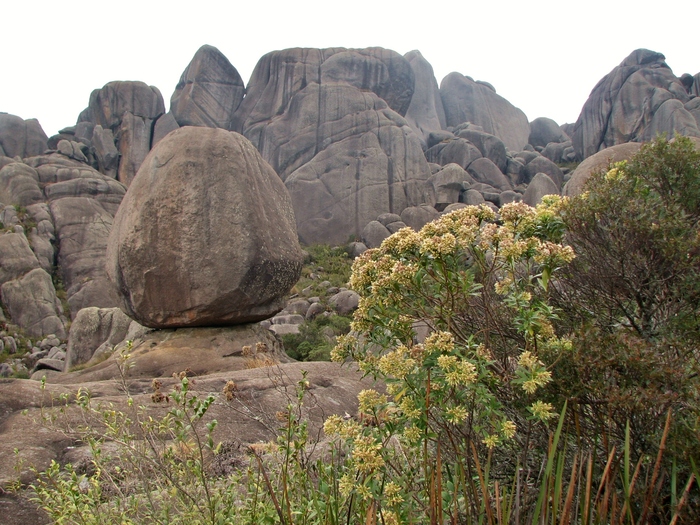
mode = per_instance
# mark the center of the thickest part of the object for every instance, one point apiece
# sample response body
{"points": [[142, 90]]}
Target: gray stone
{"points": [[542, 165], [622, 106], [315, 310], [388, 218], [205, 234], [164, 125], [489, 145], [509, 196], [345, 157], [458, 151], [485, 171], [92, 328], [374, 233], [425, 113], [418, 216], [72, 150], [49, 364], [105, 151], [32, 304], [287, 319], [297, 306], [16, 257], [544, 131], [345, 302], [19, 184], [284, 329], [21, 138], [449, 184], [436, 137], [467, 101], [355, 249], [540, 186], [472, 198], [599, 161], [209, 91], [395, 226]]}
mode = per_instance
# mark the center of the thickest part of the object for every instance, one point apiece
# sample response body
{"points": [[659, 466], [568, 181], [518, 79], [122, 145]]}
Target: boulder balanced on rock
{"points": [[205, 235]]}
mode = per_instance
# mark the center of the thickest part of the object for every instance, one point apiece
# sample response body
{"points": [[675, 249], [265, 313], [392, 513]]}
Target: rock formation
{"points": [[59, 212], [330, 124], [425, 114], [209, 92], [205, 234], [633, 103], [129, 110], [465, 100], [21, 138]]}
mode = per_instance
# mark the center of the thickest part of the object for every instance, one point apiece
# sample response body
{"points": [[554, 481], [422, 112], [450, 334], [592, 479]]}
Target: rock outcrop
{"points": [[21, 138], [129, 110], [60, 211], [425, 113], [599, 161], [633, 103], [205, 234], [209, 92], [465, 100], [329, 121]]}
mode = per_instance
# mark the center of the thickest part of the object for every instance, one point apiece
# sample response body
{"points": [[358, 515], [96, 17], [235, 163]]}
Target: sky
{"points": [[544, 57]]}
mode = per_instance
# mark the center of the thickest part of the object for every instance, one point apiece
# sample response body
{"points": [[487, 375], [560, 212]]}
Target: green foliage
{"points": [[631, 298], [327, 263], [316, 338], [471, 387]]}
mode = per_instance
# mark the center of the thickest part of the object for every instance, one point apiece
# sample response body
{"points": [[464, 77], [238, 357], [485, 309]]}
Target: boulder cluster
{"points": [[192, 217]]}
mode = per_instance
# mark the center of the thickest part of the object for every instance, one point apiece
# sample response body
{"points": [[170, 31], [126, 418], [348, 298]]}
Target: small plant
{"points": [[316, 338]]}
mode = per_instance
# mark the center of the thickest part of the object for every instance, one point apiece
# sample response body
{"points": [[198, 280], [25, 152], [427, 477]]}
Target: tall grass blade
{"points": [[548, 468]]}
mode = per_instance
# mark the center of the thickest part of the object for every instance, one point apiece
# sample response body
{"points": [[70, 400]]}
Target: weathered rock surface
{"points": [[32, 303], [544, 130], [94, 329], [205, 234], [209, 91], [425, 113], [540, 186], [21, 138], [449, 184], [374, 233], [344, 302], [485, 171], [260, 394], [467, 101], [345, 157], [68, 212], [19, 184], [599, 161], [453, 151], [330, 123], [418, 216], [279, 75], [129, 110], [488, 145], [633, 103], [16, 257], [542, 165]]}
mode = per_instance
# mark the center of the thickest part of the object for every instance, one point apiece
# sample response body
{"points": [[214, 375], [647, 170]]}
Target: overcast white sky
{"points": [[543, 56]]}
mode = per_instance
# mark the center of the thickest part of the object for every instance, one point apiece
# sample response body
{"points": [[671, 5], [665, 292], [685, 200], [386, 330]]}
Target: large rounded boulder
{"points": [[205, 235]]}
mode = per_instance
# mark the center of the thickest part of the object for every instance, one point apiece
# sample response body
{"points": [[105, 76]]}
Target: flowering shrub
{"points": [[479, 289]]}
